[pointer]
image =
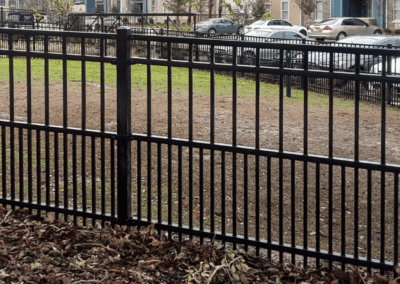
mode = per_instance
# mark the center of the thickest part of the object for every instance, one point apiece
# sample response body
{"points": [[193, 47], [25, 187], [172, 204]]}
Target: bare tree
{"points": [[307, 6], [258, 8], [40, 5], [210, 7], [61, 9], [199, 6]]}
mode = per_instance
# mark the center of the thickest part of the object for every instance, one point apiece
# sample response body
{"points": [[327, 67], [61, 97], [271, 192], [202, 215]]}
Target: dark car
{"points": [[346, 61], [218, 25], [20, 20], [270, 57]]}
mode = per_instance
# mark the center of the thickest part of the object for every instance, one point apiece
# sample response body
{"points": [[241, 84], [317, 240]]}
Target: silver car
{"points": [[339, 28], [276, 24], [219, 25]]}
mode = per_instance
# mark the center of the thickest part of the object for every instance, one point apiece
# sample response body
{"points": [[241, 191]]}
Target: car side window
{"points": [[227, 22], [359, 22], [284, 23], [278, 35], [274, 23], [291, 35], [347, 22]]}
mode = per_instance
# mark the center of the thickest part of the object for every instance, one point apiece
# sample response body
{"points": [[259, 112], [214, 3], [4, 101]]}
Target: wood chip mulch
{"points": [[44, 250]]}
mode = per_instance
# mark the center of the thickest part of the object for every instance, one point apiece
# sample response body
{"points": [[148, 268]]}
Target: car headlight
{"points": [[201, 26]]}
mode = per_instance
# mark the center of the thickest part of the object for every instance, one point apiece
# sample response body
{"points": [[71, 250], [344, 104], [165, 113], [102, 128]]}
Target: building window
{"points": [[285, 10], [320, 9], [397, 10], [2, 2], [78, 1]]}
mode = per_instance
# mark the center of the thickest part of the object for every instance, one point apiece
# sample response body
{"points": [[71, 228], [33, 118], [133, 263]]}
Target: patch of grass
{"points": [[180, 77]]}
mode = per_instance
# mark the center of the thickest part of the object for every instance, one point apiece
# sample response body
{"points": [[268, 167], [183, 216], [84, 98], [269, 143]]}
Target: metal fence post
{"points": [[389, 72], [2, 16], [197, 46], [288, 78], [124, 123]]}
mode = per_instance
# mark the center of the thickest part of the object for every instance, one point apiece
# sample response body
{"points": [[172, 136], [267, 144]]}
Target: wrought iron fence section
{"points": [[71, 170]]}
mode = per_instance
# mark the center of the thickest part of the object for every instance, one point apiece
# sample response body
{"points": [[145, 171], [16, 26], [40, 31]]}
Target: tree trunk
{"points": [[210, 6], [189, 21], [220, 11]]}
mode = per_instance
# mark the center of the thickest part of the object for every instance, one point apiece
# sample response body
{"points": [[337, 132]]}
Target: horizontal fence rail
{"points": [[117, 137]]}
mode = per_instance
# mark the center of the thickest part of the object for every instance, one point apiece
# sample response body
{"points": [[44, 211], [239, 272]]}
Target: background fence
{"points": [[219, 165]]}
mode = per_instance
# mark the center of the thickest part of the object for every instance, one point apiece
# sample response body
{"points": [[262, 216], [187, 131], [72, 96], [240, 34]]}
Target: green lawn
{"points": [[223, 85]]}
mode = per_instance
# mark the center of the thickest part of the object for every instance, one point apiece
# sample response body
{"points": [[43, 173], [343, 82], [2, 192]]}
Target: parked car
{"points": [[19, 20], [276, 23], [268, 57], [377, 69], [218, 25], [339, 28], [346, 61]]}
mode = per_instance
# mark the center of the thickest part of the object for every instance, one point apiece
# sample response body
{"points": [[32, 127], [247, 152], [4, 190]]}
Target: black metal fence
{"points": [[111, 21], [370, 91], [210, 168]]}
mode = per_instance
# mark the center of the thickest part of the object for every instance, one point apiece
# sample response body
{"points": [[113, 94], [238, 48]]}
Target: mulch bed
{"points": [[44, 250]]}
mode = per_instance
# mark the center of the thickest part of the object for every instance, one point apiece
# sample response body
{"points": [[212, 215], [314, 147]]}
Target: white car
{"points": [[275, 24], [377, 69]]}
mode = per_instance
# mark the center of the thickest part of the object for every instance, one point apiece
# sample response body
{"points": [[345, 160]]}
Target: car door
{"points": [[218, 26], [360, 27], [375, 59], [348, 27], [273, 54], [229, 26]]}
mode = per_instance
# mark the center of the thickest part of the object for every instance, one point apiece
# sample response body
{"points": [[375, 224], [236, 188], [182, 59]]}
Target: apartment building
{"points": [[385, 12]]}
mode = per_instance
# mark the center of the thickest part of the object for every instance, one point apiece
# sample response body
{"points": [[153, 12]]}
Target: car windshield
{"points": [[259, 33], [258, 23], [329, 21]]}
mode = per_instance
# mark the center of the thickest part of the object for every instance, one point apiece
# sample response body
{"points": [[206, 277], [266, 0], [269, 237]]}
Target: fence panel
{"points": [[212, 157]]}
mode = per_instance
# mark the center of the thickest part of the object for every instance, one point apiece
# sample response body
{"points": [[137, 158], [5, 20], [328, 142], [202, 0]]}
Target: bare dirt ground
{"points": [[370, 150]]}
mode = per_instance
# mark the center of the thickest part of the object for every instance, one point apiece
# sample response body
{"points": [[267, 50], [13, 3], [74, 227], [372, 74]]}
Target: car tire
{"points": [[240, 31], [341, 35], [377, 32], [212, 31], [303, 32], [249, 58]]}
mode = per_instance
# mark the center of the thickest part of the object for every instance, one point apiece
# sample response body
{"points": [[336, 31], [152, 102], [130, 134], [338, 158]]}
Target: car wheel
{"points": [[303, 32], [249, 58], [211, 31], [341, 35], [377, 32], [240, 30]]}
